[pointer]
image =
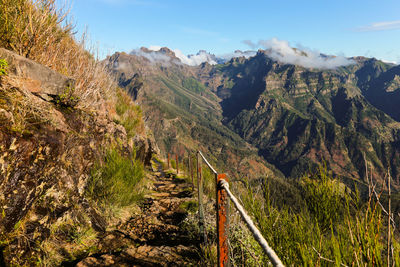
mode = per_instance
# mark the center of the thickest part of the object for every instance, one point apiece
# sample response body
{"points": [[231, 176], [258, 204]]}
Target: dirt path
{"points": [[155, 236]]}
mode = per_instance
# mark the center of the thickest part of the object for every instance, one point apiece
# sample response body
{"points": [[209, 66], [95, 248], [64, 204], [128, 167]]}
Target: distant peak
{"points": [[166, 56]]}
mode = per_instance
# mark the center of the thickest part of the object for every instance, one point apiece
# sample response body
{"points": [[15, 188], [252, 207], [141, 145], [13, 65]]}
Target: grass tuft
{"points": [[3, 67], [129, 114], [115, 181]]}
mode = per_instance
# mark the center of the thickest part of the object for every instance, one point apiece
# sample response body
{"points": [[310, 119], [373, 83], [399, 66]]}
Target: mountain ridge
{"points": [[298, 117]]}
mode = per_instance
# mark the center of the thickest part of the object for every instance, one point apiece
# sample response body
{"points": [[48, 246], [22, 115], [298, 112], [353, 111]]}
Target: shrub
{"points": [[67, 99], [3, 67], [325, 197], [332, 229], [208, 181], [115, 181], [129, 114]]}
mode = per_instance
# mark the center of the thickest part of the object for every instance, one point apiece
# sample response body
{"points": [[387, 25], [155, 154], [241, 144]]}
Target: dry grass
{"points": [[24, 112], [38, 30]]}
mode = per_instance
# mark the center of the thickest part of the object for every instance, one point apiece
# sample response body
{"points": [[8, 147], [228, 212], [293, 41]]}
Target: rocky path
{"points": [[155, 237]]}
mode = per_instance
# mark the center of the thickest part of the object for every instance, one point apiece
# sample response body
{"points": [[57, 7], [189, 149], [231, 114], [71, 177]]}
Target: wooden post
{"points": [[203, 235], [177, 164], [168, 161], [222, 222]]}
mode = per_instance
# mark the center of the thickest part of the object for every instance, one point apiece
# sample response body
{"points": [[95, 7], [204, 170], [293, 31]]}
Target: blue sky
{"points": [[351, 28]]}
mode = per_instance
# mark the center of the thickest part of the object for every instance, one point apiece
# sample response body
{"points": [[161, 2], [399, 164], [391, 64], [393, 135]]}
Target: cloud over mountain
{"points": [[154, 56], [281, 50], [238, 53], [165, 56], [197, 59]]}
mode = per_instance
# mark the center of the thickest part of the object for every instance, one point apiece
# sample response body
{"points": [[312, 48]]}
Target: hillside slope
{"points": [[183, 114], [294, 117], [49, 149], [299, 117]]}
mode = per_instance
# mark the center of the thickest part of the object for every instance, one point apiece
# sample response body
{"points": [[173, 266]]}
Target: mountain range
{"points": [[269, 113]]}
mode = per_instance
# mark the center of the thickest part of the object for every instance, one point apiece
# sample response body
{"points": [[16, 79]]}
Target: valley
{"points": [[114, 155], [294, 118]]}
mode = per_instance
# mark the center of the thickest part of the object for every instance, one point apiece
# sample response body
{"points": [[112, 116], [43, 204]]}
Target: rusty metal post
{"points": [[188, 166], [168, 161], [191, 170], [203, 235], [177, 164], [222, 222]]}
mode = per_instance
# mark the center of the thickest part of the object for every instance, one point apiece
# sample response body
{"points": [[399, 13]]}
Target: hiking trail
{"points": [[155, 236]]}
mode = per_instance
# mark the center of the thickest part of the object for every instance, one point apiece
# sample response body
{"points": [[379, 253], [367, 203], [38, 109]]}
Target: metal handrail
{"points": [[222, 183], [256, 233], [208, 164], [223, 192]]}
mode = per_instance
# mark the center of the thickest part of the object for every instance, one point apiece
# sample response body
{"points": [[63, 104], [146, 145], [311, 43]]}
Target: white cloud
{"points": [[389, 61], [194, 60], [153, 56], [380, 26], [281, 50], [249, 43], [154, 48], [238, 53]]}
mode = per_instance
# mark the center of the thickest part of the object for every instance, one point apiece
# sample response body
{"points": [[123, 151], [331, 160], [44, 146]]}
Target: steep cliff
{"points": [[294, 117]]}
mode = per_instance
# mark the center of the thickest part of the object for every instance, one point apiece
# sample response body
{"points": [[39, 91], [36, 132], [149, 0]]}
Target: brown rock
{"points": [[145, 147], [35, 77]]}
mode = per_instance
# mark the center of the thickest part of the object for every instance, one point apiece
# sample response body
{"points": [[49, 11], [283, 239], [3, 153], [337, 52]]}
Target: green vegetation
{"points": [[115, 181], [333, 228], [82, 237], [173, 163], [326, 198], [312, 221], [68, 98], [193, 85], [208, 182], [129, 114], [3, 67], [229, 84], [191, 206]]}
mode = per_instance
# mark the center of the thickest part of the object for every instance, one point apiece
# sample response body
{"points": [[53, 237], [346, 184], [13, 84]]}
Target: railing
{"points": [[222, 210]]}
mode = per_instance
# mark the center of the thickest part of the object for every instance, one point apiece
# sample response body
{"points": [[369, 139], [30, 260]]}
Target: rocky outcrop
{"points": [[35, 77], [299, 118], [145, 148], [132, 85], [47, 152]]}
